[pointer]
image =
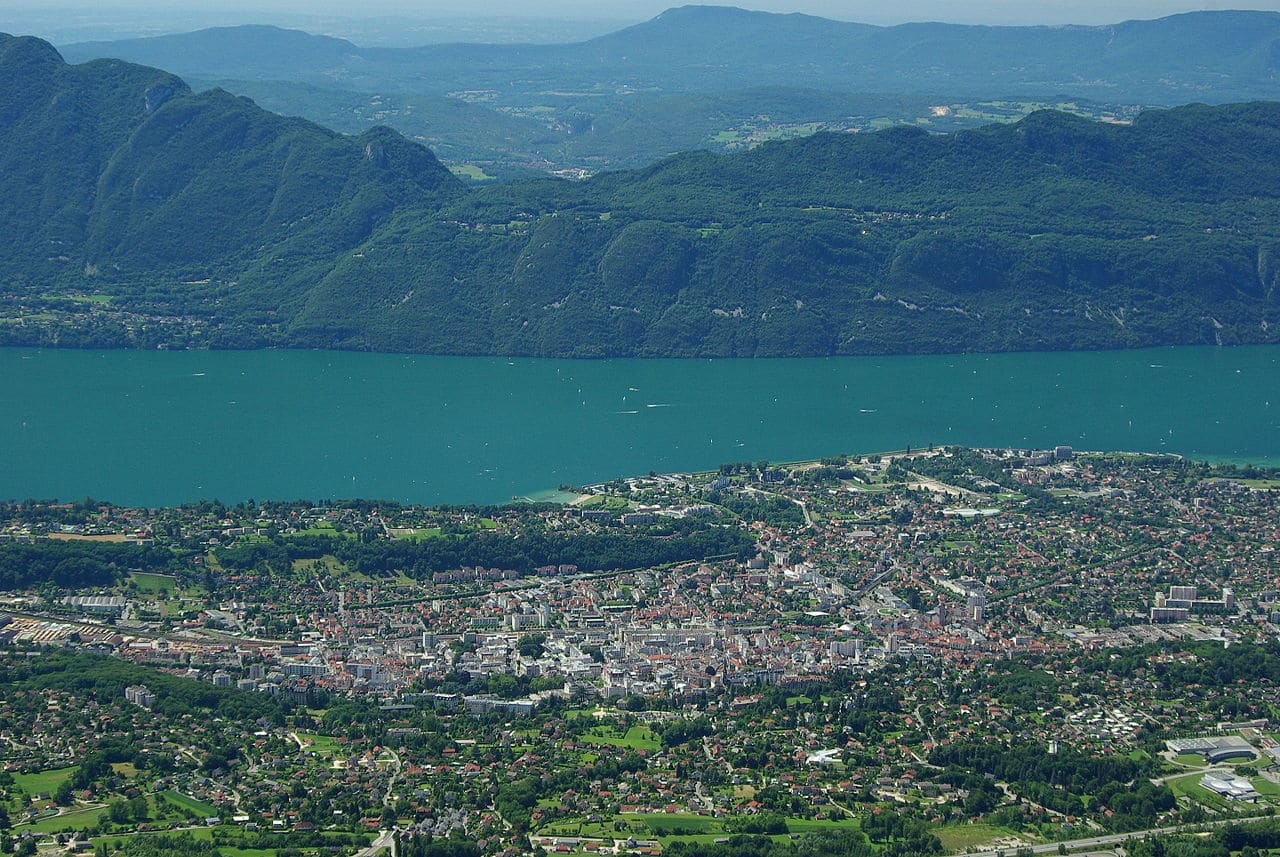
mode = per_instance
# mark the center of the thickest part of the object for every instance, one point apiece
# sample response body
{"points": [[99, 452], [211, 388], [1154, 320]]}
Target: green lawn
{"points": [[1189, 786], [1191, 760], [420, 535], [604, 501], [635, 738], [181, 801], [43, 781], [1265, 786], [322, 744]]}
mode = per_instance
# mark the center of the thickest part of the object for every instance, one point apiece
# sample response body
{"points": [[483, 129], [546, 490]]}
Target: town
{"points": [[928, 651]]}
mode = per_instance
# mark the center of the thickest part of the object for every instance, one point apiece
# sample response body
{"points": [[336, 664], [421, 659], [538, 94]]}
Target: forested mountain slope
{"points": [[138, 213]]}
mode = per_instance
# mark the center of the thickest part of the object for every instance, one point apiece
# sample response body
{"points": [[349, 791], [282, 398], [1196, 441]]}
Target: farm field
{"points": [[183, 802], [43, 781], [154, 583], [75, 820]]}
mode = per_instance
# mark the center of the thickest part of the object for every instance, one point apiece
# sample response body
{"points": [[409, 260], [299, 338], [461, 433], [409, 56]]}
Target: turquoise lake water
{"points": [[159, 428]]}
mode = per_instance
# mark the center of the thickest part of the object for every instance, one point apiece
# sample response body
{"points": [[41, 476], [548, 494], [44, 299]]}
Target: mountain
{"points": [[456, 131], [1052, 233], [254, 51], [602, 133], [139, 213], [111, 169], [1206, 56]]}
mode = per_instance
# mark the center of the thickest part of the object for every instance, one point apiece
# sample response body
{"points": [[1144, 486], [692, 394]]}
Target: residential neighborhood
{"points": [[832, 647]]}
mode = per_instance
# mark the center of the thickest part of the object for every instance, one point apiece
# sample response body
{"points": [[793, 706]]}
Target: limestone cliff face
{"points": [[156, 96]]}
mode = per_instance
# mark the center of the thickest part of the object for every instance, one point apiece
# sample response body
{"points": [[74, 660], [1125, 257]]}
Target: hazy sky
{"points": [[871, 11], [987, 11]]}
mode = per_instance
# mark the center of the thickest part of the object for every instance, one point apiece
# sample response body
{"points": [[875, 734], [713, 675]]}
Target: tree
{"points": [[532, 645]]}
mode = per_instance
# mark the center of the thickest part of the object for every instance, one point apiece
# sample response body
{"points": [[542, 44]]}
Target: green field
{"points": [[958, 837], [67, 821], [183, 802], [691, 827], [203, 834], [322, 744], [1189, 786], [455, 531], [1265, 787], [470, 171], [635, 738], [325, 530], [43, 781], [604, 501], [154, 583], [420, 535], [1264, 484], [813, 825], [662, 824]]}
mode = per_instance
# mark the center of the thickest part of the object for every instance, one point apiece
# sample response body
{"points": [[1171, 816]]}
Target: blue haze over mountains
{"points": [[716, 78], [1206, 56]]}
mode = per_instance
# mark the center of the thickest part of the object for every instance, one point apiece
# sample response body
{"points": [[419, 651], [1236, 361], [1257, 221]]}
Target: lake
{"points": [[158, 428]]}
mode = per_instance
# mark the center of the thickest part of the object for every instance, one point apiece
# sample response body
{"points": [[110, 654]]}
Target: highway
{"points": [[1109, 840], [384, 842]]}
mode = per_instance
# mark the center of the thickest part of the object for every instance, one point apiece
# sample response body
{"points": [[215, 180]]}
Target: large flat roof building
{"points": [[1229, 786], [1213, 749]]}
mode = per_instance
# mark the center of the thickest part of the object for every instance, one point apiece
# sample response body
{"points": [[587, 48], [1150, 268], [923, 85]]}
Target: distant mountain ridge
{"points": [[255, 49], [138, 213], [1210, 56]]}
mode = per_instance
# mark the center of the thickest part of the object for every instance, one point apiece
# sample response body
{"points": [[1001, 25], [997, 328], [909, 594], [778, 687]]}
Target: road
{"points": [[1110, 839], [706, 801], [395, 775], [1190, 772], [385, 841]]}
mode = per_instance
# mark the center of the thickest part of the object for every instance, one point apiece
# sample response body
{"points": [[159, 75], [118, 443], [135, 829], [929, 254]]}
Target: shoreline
{"points": [[575, 497]]}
